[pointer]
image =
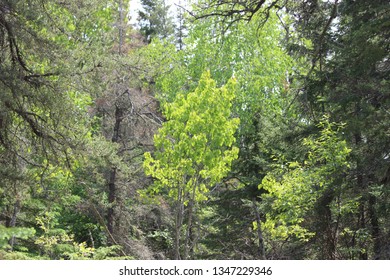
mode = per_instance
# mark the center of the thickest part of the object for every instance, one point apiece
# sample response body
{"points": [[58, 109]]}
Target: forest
{"points": [[194, 129]]}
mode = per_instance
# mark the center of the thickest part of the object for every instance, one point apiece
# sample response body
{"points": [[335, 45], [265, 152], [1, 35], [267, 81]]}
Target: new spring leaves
{"points": [[194, 148]]}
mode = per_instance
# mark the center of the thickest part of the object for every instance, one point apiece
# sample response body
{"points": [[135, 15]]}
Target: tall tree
{"points": [[155, 20], [194, 151], [181, 26]]}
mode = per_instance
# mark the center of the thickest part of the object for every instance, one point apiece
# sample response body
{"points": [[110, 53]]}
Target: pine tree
{"points": [[181, 27], [155, 20]]}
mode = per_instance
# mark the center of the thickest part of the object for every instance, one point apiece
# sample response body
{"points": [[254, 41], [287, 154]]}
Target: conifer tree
{"points": [[155, 20]]}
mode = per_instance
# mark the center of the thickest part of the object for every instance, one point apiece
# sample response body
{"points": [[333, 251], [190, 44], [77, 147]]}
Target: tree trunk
{"points": [[13, 222], [111, 201], [360, 186], [261, 251], [112, 177], [191, 205], [325, 230], [375, 229], [188, 231], [178, 223]]}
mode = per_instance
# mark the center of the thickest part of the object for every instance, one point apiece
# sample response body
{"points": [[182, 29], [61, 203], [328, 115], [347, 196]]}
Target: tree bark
{"points": [[13, 222], [325, 230], [361, 189], [178, 223], [112, 177], [375, 229], [261, 251], [188, 243], [111, 201]]}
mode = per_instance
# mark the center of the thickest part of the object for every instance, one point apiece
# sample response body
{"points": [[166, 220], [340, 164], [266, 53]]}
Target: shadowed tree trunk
{"points": [[261, 251], [112, 177]]}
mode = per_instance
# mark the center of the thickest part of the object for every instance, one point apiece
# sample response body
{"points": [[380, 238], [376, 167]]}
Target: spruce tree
{"points": [[155, 20]]}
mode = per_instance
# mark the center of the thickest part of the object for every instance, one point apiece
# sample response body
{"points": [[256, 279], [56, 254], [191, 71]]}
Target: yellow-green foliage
{"points": [[292, 189], [194, 148]]}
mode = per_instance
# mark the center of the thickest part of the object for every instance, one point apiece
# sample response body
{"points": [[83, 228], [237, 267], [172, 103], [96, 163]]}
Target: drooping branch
{"points": [[229, 12], [7, 33]]}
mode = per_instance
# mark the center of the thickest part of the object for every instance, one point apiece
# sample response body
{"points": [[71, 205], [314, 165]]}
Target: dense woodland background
{"points": [[211, 129]]}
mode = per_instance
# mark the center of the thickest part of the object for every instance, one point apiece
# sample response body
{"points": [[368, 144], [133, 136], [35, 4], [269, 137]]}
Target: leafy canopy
{"points": [[195, 146]]}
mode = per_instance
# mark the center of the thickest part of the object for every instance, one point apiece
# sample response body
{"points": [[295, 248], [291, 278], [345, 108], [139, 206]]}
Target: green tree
{"points": [[181, 26], [194, 151], [295, 191], [155, 20]]}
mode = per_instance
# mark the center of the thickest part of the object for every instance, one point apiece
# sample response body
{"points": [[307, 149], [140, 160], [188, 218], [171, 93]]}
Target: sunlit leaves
{"points": [[292, 189], [194, 147]]}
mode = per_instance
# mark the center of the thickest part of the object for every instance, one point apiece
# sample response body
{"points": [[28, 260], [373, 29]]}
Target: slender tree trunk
{"points": [[261, 251], [325, 229], [375, 229], [111, 201], [13, 222], [188, 231], [188, 243], [362, 190], [112, 177], [178, 223]]}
